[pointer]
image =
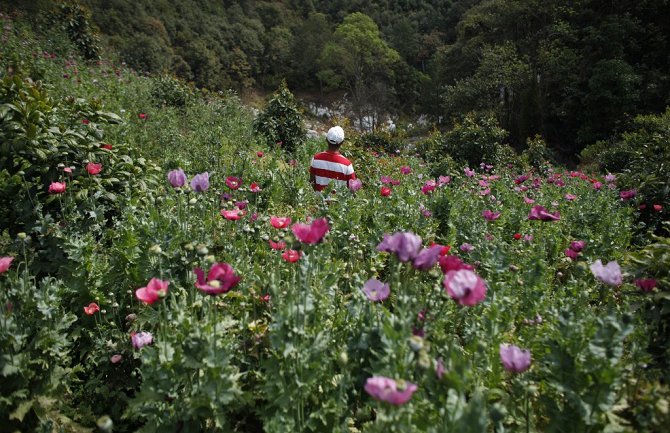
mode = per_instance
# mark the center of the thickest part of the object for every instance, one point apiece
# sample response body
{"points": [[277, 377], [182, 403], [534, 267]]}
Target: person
{"points": [[331, 165]]}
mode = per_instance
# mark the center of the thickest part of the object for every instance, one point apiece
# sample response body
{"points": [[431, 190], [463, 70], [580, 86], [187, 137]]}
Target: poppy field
{"points": [[164, 270]]}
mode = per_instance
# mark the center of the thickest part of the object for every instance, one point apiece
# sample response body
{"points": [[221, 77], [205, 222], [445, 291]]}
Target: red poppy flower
{"points": [[142, 116], [385, 191], [517, 236], [233, 182], [93, 168], [280, 222], [106, 146], [91, 309], [291, 256]]}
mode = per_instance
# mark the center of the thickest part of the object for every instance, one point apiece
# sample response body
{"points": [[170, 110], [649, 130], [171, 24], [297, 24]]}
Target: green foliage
{"points": [[281, 124], [167, 90], [474, 139], [75, 20], [380, 141], [536, 154]]}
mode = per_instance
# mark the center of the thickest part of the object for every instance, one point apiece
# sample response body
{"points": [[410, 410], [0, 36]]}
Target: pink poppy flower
{"points": [[577, 245], [277, 245], [469, 172], [453, 263], [514, 359], [385, 191], [485, 192], [428, 187], [542, 214], [291, 256], [646, 284], [220, 279], [155, 290], [443, 180], [233, 215], [609, 274], [93, 168], [254, 187], [280, 222], [233, 182], [597, 185], [570, 197], [5, 263], [141, 339], [466, 247], [375, 290], [388, 390], [405, 245], [466, 287], [311, 233], [57, 188], [115, 359], [91, 309], [489, 215], [658, 207]]}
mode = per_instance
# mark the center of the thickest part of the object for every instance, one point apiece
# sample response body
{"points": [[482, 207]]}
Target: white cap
{"points": [[335, 135]]}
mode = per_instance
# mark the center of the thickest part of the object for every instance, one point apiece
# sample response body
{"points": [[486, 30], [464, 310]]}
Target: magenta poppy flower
{"points": [[571, 253], [153, 291], [220, 279], [388, 390], [514, 359], [291, 256], [627, 195], [311, 233], [646, 284], [91, 309], [577, 245], [609, 274], [241, 205], [233, 182], [405, 169], [200, 182], [427, 258], [375, 290], [57, 188], [466, 287], [177, 178], [5, 263], [141, 339], [489, 215], [280, 222], [93, 168], [405, 245], [542, 214], [520, 179], [453, 263], [277, 245], [428, 187], [355, 184], [597, 185]]}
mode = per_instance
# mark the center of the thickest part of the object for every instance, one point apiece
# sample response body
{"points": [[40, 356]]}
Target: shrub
{"points": [[475, 139], [380, 141], [281, 123], [169, 91]]}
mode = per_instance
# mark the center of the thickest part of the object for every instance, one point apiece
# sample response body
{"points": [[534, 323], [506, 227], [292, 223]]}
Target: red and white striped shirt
{"points": [[331, 166]]}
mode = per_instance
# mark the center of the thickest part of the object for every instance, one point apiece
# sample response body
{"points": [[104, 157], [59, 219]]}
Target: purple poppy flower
{"points": [[141, 339], [200, 182], [610, 178], [469, 172], [466, 287], [542, 214], [388, 390], [427, 258], [514, 359], [609, 274], [405, 245], [466, 247], [375, 290], [177, 178], [355, 184], [520, 179], [405, 169], [489, 215]]}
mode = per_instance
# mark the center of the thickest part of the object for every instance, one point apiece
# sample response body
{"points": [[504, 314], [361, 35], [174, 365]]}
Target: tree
{"points": [[360, 62]]}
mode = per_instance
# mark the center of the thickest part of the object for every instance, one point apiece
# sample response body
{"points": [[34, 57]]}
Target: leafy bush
{"points": [[170, 91], [281, 122], [380, 141], [536, 154]]}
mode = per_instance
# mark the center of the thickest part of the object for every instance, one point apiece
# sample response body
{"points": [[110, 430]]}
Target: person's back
{"points": [[331, 165]]}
